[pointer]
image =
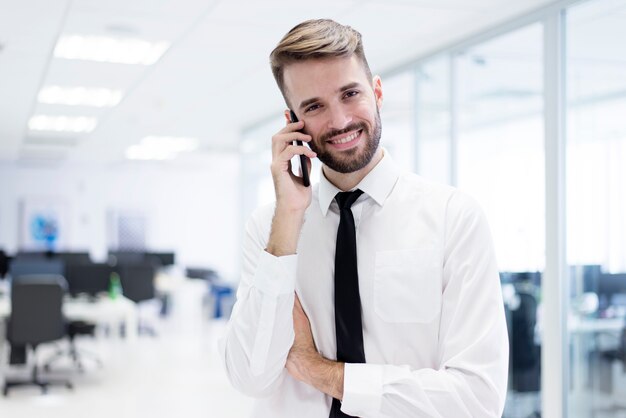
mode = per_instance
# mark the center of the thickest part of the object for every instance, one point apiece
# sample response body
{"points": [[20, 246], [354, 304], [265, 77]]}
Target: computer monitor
{"points": [[126, 257], [164, 259], [90, 279], [584, 278], [32, 254], [74, 257], [27, 267], [533, 277]]}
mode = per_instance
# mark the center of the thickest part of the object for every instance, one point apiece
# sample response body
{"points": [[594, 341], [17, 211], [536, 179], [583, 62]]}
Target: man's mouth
{"points": [[347, 140]]}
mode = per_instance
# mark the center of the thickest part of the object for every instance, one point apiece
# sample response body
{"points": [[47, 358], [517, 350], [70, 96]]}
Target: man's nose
{"points": [[339, 118]]}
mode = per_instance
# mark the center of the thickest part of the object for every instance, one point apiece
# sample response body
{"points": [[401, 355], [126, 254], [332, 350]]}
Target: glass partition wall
{"points": [[596, 207], [500, 162]]}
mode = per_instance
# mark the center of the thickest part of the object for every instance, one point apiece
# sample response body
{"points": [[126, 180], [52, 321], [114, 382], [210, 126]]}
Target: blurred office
{"points": [[134, 144]]}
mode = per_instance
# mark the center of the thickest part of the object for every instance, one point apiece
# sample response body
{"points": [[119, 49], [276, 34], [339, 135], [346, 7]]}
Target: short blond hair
{"points": [[316, 39]]}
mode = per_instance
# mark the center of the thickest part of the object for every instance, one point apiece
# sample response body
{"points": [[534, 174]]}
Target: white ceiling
{"points": [[213, 81]]}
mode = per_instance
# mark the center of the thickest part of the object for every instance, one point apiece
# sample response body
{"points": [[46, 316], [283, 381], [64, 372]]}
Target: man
{"points": [[381, 302]]}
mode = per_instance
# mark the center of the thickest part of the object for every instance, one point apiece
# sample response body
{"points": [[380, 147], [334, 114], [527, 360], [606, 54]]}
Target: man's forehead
{"points": [[306, 79]]}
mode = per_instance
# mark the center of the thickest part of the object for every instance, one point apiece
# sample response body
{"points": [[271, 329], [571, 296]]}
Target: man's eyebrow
{"points": [[341, 89], [349, 86], [307, 102]]}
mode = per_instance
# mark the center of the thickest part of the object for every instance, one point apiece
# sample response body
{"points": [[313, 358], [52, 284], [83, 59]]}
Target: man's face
{"points": [[340, 109]]}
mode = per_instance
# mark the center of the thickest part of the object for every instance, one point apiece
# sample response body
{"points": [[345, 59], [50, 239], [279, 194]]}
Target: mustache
{"points": [[352, 127]]}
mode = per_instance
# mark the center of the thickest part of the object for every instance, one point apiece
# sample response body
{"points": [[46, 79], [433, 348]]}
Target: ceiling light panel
{"points": [[74, 124], [108, 49], [170, 143], [161, 147], [80, 96]]}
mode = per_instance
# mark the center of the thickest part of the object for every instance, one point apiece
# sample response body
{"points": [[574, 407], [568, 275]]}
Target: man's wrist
{"points": [[326, 376], [286, 227]]}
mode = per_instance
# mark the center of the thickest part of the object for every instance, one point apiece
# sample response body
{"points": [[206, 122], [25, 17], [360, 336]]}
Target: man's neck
{"points": [[347, 181]]}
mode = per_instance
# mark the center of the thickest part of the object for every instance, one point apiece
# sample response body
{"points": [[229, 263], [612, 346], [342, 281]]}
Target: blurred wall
{"points": [[190, 208]]}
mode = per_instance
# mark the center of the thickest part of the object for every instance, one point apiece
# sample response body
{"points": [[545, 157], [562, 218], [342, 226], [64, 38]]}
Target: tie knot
{"points": [[346, 199]]}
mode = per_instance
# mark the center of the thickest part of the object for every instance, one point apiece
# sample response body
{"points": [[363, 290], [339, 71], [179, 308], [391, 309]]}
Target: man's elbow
{"points": [[244, 379], [254, 386], [491, 398]]}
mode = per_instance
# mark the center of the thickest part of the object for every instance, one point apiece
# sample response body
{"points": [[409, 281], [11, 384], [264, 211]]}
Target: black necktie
{"points": [[348, 327]]}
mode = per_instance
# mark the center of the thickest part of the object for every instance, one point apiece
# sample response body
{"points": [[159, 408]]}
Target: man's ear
{"points": [[287, 116], [378, 91]]}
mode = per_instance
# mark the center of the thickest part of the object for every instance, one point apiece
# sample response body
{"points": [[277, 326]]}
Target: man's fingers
{"points": [[292, 126], [287, 135], [293, 150], [281, 141]]}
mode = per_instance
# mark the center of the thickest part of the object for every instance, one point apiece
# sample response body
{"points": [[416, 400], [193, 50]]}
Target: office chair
{"points": [[74, 329], [618, 354], [601, 362], [525, 354], [89, 278], [36, 318], [4, 264], [138, 285]]}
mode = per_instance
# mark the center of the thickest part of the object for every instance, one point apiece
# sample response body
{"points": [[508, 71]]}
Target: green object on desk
{"points": [[115, 286]]}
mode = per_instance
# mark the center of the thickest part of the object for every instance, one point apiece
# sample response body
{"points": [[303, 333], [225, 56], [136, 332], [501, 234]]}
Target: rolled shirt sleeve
{"points": [[471, 377], [260, 333]]}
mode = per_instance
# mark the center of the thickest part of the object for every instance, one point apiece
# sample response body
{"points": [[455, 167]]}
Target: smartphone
{"points": [[303, 165]]}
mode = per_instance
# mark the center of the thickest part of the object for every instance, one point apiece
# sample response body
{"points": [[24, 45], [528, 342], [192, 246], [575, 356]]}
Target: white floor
{"points": [[176, 374]]}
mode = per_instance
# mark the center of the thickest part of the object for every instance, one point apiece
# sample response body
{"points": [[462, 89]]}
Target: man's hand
{"points": [[292, 197], [291, 194], [305, 364], [303, 351]]}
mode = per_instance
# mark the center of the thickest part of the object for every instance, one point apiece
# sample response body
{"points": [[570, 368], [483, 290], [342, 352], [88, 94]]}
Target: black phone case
{"points": [[305, 170]]}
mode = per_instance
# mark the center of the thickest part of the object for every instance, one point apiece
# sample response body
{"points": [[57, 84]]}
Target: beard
{"points": [[352, 159]]}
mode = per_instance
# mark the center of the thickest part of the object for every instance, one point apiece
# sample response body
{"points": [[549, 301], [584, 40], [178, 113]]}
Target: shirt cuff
{"points": [[362, 389], [276, 275]]}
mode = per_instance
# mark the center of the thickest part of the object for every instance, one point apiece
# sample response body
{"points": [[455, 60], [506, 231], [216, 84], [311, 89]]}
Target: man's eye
{"points": [[351, 93], [311, 108]]}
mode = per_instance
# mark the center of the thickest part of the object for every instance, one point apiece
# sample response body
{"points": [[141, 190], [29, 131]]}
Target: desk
{"points": [[583, 333], [577, 325], [102, 311]]}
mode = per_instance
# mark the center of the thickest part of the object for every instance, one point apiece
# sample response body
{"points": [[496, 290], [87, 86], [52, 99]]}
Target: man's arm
{"points": [[260, 331], [470, 380], [305, 364]]}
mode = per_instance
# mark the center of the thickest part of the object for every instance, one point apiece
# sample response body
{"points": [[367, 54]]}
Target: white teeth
{"points": [[346, 139]]}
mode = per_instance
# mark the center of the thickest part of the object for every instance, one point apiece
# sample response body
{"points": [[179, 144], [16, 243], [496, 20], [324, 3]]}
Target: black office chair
{"points": [[91, 279], [525, 354], [75, 329], [601, 374], [138, 285], [36, 318], [4, 264], [619, 353]]}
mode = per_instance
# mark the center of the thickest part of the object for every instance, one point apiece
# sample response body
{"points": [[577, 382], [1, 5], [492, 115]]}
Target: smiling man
{"points": [[375, 293]]}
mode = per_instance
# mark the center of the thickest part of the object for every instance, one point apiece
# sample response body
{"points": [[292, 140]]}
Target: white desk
{"points": [[578, 325], [167, 282], [583, 332], [102, 311]]}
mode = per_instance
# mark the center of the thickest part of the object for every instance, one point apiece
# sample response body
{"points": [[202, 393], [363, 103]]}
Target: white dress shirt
{"points": [[434, 328]]}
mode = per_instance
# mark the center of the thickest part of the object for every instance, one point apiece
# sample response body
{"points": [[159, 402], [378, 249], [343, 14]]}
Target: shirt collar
{"points": [[377, 184]]}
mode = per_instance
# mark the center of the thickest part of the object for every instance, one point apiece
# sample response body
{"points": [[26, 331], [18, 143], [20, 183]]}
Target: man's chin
{"points": [[348, 162]]}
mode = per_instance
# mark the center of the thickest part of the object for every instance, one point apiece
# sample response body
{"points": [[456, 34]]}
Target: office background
{"points": [[519, 103]]}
